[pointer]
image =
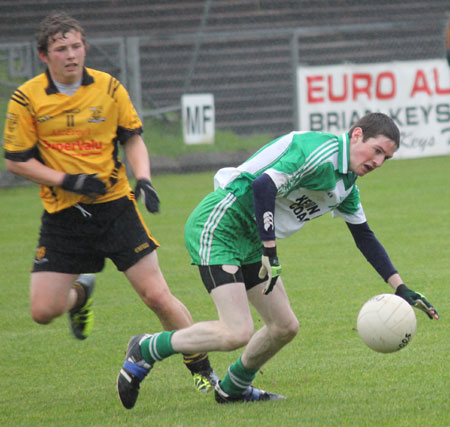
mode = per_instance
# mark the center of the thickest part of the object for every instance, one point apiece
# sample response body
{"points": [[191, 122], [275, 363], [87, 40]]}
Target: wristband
{"points": [[270, 252]]}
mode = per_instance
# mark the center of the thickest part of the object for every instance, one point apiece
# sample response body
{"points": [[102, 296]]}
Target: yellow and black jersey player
{"points": [[73, 133], [63, 131]]}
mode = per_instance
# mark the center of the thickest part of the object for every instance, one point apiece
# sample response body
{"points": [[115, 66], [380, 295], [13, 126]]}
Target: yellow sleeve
{"points": [[128, 117], [20, 134]]}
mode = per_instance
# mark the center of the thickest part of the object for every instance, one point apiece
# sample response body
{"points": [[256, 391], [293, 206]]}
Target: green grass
{"points": [[165, 138], [329, 376]]}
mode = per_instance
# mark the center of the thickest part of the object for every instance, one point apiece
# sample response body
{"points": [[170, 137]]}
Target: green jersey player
{"points": [[231, 236]]}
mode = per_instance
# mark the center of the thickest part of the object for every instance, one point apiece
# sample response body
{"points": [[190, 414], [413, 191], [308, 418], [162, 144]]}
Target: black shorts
{"points": [[78, 239], [214, 276]]}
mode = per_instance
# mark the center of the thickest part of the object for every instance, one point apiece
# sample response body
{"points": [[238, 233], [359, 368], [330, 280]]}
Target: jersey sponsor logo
{"points": [[77, 148], [70, 132], [268, 220], [96, 115], [303, 208]]}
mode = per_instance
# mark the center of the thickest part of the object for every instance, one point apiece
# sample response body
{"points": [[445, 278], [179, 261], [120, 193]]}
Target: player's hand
{"points": [[417, 300], [82, 183], [270, 269], [149, 195]]}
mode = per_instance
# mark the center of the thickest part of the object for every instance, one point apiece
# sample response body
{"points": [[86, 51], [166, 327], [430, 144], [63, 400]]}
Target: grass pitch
{"points": [[329, 376]]}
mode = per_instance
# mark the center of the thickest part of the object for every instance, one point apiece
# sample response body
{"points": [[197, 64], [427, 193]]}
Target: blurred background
{"points": [[244, 52]]}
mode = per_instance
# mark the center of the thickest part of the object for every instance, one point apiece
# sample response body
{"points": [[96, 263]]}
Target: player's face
{"points": [[365, 156], [65, 57]]}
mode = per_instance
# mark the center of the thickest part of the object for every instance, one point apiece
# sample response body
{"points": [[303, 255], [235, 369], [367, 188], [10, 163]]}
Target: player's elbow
{"points": [[13, 167]]}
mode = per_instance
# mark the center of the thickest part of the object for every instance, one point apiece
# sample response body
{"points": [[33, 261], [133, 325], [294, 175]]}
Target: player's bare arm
{"points": [[395, 281], [33, 170], [138, 158], [36, 171]]}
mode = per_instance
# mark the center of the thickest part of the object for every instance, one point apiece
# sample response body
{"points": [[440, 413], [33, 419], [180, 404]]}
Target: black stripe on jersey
{"points": [[117, 165], [87, 78], [19, 97], [123, 134], [51, 89], [113, 86], [22, 156]]}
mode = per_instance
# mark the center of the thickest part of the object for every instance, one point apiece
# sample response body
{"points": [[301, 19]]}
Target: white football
{"points": [[386, 323]]}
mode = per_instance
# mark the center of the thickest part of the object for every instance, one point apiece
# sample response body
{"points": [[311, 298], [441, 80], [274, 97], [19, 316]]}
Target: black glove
{"points": [[150, 197], [270, 268], [417, 300], [82, 183]]}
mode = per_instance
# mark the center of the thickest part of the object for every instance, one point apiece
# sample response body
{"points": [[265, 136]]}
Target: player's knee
{"points": [[232, 339], [285, 332], [43, 315], [159, 302], [293, 328]]}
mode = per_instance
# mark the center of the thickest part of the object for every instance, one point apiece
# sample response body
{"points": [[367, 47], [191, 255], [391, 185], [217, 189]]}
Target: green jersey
{"points": [[310, 171]]}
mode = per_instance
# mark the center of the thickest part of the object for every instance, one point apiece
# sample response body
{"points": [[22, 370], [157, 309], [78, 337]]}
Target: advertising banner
{"points": [[416, 94]]}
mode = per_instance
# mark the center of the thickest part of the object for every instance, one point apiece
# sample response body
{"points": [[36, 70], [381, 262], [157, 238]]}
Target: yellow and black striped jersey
{"points": [[73, 134]]}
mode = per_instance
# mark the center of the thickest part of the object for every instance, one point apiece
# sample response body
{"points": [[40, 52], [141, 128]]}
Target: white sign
{"points": [[198, 118], [416, 94]]}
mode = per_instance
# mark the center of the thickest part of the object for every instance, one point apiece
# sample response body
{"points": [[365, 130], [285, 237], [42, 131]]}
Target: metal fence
{"points": [[250, 73]]}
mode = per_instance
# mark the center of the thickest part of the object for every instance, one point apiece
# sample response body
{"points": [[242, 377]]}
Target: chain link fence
{"points": [[251, 73]]}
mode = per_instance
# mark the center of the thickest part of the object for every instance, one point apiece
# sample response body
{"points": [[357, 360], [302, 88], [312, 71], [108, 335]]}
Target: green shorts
{"points": [[219, 231]]}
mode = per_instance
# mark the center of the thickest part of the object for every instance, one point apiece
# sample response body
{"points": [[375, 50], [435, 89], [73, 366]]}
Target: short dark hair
{"points": [[375, 124], [57, 22]]}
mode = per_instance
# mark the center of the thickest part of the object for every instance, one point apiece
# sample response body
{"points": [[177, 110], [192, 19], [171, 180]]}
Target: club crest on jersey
{"points": [[12, 121], [96, 116]]}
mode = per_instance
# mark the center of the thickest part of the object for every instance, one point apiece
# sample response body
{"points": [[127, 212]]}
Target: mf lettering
{"points": [[197, 119]]}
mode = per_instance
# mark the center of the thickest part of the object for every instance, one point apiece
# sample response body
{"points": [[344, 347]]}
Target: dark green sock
{"points": [[157, 347], [237, 379]]}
